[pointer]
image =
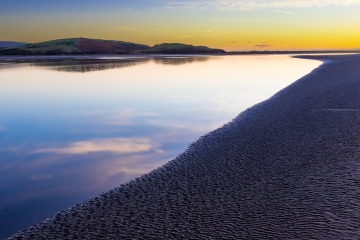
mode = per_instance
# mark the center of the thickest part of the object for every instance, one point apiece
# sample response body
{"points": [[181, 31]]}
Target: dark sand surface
{"points": [[287, 168]]}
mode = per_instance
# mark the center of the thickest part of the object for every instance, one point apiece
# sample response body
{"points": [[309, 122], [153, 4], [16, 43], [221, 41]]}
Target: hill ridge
{"points": [[81, 45]]}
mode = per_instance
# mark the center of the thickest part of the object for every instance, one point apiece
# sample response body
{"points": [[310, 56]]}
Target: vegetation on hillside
{"points": [[97, 46]]}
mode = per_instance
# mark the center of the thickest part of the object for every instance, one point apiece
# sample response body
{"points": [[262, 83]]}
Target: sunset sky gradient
{"points": [[231, 25]]}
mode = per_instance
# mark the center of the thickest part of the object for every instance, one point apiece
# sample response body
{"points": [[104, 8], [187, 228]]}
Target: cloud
{"points": [[263, 45], [136, 165], [32, 24], [241, 19], [2, 128], [128, 116], [185, 5], [209, 31], [114, 145], [123, 117], [179, 126], [184, 36], [127, 28], [279, 4], [246, 5], [285, 12], [40, 177]]}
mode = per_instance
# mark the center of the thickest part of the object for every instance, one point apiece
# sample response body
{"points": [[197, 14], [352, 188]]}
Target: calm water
{"points": [[71, 129]]}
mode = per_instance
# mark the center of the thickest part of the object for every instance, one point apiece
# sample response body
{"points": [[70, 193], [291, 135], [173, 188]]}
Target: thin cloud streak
{"points": [[242, 19], [185, 5], [209, 31], [127, 117], [114, 145], [127, 28], [246, 5], [40, 177], [285, 12], [259, 4], [263, 45]]}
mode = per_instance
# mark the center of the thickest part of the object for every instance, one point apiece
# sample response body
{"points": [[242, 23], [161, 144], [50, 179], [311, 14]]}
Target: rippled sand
{"points": [[287, 168]]}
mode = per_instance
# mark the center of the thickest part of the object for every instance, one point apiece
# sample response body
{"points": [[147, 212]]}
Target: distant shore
{"points": [[114, 57], [152, 55], [286, 168], [90, 46], [96, 56]]}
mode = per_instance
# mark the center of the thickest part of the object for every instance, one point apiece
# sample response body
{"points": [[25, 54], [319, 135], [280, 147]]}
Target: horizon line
{"points": [[227, 51]]}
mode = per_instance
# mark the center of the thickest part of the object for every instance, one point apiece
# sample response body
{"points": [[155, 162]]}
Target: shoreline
{"points": [[114, 57], [284, 168]]}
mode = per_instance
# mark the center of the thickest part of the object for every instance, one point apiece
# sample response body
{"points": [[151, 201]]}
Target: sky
{"points": [[231, 25]]}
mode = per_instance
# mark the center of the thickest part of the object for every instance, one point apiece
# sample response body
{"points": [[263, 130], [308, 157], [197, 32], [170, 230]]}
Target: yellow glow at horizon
{"points": [[303, 31]]}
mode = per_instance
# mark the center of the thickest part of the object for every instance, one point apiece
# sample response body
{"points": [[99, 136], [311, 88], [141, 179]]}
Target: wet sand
{"points": [[287, 168]]}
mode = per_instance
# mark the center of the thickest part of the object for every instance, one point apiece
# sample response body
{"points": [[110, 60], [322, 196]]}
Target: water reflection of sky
{"points": [[74, 128]]}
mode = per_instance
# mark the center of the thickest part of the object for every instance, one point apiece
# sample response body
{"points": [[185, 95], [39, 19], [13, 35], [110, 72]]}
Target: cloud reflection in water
{"points": [[114, 145], [70, 136]]}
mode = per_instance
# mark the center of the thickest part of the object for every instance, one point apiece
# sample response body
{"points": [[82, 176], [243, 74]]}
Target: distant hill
{"points": [[75, 46], [97, 46], [10, 44], [176, 48]]}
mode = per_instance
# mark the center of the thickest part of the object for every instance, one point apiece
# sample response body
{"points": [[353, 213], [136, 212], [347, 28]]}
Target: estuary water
{"points": [[73, 128]]}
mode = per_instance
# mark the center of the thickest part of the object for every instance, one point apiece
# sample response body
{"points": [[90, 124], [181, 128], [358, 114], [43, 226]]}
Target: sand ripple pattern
{"points": [[287, 168]]}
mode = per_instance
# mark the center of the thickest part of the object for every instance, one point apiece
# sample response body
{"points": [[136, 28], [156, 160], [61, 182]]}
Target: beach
{"points": [[286, 168]]}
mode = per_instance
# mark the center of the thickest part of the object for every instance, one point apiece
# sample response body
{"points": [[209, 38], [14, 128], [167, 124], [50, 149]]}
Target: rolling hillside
{"points": [[176, 48], [75, 46], [97, 46]]}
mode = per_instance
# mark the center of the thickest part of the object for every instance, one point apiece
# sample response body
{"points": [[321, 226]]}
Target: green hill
{"points": [[176, 48], [75, 46], [96, 46]]}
